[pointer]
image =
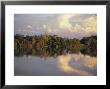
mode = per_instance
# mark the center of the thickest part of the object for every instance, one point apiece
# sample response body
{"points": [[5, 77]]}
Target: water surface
{"points": [[75, 64]]}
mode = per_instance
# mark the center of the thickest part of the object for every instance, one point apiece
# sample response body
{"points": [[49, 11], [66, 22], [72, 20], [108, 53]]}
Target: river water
{"points": [[62, 65]]}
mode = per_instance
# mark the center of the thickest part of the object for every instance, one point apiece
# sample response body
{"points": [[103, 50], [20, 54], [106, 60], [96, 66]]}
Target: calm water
{"points": [[63, 65]]}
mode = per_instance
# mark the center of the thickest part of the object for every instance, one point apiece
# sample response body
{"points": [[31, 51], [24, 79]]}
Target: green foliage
{"points": [[89, 45], [47, 45]]}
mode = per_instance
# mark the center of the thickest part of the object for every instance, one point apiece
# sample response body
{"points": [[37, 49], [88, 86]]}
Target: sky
{"points": [[63, 25]]}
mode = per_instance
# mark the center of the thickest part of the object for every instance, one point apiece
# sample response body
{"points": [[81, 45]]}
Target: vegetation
{"points": [[90, 45], [47, 45]]}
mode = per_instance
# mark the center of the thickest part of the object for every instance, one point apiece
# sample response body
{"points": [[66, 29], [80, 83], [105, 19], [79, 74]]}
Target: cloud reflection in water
{"points": [[64, 61]]}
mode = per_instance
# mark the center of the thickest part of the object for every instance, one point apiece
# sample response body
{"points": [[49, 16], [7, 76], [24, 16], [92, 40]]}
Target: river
{"points": [[75, 64]]}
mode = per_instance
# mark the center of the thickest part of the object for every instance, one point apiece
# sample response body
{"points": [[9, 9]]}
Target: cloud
{"points": [[87, 24], [49, 30], [63, 22], [90, 24], [64, 25], [26, 29], [44, 26], [29, 26]]}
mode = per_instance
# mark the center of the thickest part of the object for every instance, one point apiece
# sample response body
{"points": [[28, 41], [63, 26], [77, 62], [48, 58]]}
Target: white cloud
{"points": [[49, 30], [44, 26], [90, 24], [29, 26], [64, 23], [86, 27]]}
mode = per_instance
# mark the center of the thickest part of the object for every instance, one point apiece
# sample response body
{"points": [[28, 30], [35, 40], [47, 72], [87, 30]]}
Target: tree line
{"points": [[53, 45]]}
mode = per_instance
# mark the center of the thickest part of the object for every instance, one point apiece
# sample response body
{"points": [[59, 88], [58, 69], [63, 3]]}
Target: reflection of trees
{"points": [[42, 52], [47, 45], [89, 52]]}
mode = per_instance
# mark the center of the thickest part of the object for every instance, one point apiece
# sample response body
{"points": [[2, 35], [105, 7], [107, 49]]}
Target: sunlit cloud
{"points": [[87, 26], [90, 24], [49, 30], [63, 25]]}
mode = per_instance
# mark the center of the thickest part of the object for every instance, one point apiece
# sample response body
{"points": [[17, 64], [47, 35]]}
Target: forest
{"points": [[53, 45]]}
